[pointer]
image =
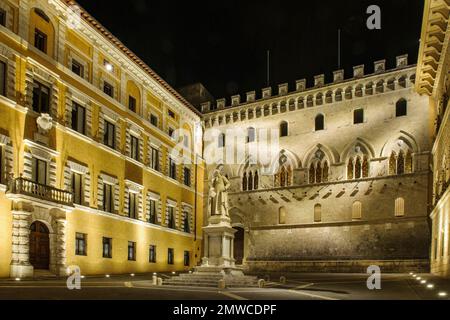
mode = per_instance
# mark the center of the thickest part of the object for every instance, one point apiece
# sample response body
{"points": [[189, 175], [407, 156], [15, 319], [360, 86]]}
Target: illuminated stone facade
{"points": [[349, 185]]}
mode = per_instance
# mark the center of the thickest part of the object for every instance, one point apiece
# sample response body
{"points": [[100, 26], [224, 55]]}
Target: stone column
{"points": [[60, 247], [20, 260]]}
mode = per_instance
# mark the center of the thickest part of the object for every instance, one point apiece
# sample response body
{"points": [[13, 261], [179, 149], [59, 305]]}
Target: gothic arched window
{"points": [[250, 181], [282, 177], [325, 172], [244, 182], [256, 181], [318, 173], [393, 164], [358, 168], [408, 162], [365, 168], [401, 163], [350, 169], [312, 174]]}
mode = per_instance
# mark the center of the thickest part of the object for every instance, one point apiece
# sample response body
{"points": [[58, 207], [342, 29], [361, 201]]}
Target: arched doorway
{"points": [[238, 245], [39, 246]]}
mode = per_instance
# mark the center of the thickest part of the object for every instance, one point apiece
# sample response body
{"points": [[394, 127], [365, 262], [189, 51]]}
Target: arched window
{"points": [[312, 174], [401, 163], [399, 207], [284, 129], [325, 172], [282, 215], [358, 168], [357, 210], [221, 140], [250, 181], [401, 108], [319, 173], [350, 169], [365, 168], [244, 182], [408, 162], [256, 181], [283, 177], [251, 134], [319, 122], [317, 213], [393, 164]]}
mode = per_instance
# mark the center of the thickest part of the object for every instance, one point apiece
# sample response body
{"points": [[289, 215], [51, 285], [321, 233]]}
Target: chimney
{"points": [[251, 96], [221, 103], [319, 80], [235, 100], [338, 76], [300, 85], [358, 71], [267, 92], [402, 61], [379, 66], [282, 89]]}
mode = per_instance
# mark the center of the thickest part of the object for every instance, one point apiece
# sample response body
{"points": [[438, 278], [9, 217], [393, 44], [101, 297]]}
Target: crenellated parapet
{"points": [[340, 90]]}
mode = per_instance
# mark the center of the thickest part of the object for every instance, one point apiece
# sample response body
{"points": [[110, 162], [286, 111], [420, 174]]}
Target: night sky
{"points": [[223, 44]]}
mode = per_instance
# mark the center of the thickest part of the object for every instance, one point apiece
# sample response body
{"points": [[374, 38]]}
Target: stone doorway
{"points": [[238, 245], [39, 246]]}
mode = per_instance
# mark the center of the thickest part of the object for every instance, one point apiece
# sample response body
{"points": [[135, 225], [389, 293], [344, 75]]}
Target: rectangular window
{"points": [[131, 251], [186, 258], [170, 256], [107, 248], [132, 205], [2, 78], [187, 177], [171, 131], [152, 212], [171, 114], [41, 98], [132, 103], [3, 17], [154, 120], [108, 198], [154, 159], [109, 137], [79, 118], [152, 254], [40, 40], [77, 187], [172, 169], [40, 171], [358, 116], [170, 217], [108, 89], [186, 141], [135, 148], [80, 244], [77, 68]]}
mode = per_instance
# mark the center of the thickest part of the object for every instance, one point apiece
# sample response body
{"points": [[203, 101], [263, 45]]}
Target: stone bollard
{"points": [[261, 283], [267, 278], [155, 280], [221, 284], [283, 279], [159, 282]]}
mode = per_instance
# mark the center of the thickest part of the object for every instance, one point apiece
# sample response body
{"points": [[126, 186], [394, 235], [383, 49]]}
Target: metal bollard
{"points": [[283, 279], [261, 283]]}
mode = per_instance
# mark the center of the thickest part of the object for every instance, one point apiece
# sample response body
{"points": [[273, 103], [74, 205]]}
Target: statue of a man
{"points": [[218, 194]]}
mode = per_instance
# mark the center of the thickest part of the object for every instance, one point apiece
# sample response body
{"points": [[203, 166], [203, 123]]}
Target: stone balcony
{"points": [[22, 186]]}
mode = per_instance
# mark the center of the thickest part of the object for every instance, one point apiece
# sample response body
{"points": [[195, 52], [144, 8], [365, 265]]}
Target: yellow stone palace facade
{"points": [[90, 151]]}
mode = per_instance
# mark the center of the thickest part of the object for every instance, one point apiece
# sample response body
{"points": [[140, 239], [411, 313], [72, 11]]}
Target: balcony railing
{"points": [[33, 189]]}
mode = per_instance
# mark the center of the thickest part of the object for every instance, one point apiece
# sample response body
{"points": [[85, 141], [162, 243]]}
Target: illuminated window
{"points": [[107, 247], [80, 244], [170, 256], [131, 251], [152, 254]]}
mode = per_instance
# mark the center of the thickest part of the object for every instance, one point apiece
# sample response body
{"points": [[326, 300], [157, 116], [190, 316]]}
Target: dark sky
{"points": [[223, 44]]}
